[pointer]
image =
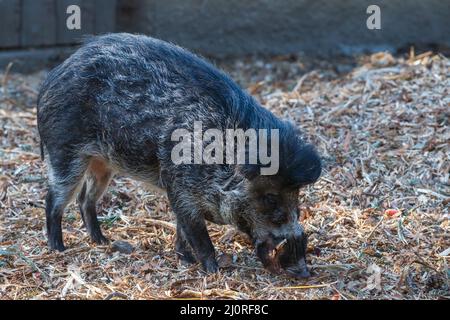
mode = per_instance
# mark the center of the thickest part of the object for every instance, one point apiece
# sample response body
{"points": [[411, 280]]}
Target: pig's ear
{"points": [[250, 171], [302, 166]]}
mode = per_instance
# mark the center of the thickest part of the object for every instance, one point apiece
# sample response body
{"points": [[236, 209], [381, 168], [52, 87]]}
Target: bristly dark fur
{"points": [[118, 99], [300, 164]]}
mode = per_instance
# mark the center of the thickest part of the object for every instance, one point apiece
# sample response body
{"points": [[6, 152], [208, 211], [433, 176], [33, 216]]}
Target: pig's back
{"points": [[132, 81], [128, 93], [137, 73]]}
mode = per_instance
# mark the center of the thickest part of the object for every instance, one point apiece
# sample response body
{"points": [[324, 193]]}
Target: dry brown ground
{"points": [[380, 210]]}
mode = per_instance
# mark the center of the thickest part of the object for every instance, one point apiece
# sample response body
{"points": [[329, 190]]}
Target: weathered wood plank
{"points": [[43, 22], [105, 16], [9, 23], [63, 34], [97, 16], [38, 23], [88, 16]]}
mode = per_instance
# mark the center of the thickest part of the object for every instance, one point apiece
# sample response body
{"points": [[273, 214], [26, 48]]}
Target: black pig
{"points": [[112, 108]]}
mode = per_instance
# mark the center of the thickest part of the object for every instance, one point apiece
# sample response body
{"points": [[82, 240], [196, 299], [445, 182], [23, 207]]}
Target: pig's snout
{"points": [[284, 255], [300, 270]]}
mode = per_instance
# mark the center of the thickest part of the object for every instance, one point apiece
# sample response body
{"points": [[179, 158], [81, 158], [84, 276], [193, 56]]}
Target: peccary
{"points": [[113, 106]]}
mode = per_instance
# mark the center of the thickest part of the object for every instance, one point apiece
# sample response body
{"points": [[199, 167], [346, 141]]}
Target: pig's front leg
{"points": [[182, 247], [193, 230]]}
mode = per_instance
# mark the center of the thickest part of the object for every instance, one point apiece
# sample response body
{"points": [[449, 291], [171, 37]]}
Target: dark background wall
{"points": [[223, 27], [42, 23], [33, 33]]}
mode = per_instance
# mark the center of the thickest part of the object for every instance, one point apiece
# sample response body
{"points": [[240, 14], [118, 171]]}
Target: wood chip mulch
{"points": [[378, 219]]}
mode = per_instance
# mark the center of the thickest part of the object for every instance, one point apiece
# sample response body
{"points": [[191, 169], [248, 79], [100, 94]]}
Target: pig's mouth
{"points": [[285, 256], [299, 271]]}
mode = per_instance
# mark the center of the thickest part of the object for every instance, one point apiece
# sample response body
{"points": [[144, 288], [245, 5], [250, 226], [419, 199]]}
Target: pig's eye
{"points": [[270, 199]]}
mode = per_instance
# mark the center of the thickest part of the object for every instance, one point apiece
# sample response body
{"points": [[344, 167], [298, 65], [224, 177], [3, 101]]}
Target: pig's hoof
{"points": [[184, 253], [210, 266], [100, 239], [57, 247], [186, 257]]}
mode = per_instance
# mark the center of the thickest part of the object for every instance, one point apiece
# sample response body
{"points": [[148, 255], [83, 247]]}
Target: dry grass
{"points": [[380, 209]]}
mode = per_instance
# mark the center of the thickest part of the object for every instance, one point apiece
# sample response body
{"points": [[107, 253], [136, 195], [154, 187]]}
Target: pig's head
{"points": [[269, 208], [279, 238]]}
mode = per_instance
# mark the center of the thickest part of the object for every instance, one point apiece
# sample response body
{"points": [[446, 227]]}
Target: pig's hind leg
{"points": [[65, 176], [97, 179]]}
